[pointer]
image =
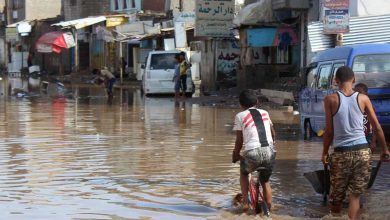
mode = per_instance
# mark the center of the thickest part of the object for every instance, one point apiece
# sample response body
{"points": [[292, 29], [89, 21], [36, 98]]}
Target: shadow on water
{"points": [[67, 154]]}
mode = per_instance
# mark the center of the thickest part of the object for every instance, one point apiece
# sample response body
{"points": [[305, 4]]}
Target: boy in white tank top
{"points": [[350, 161]]}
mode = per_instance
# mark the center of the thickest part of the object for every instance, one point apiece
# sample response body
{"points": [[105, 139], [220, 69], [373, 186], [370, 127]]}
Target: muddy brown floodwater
{"points": [[72, 155]]}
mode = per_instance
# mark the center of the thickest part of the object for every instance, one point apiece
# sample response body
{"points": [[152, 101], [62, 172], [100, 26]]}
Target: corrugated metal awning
{"points": [[81, 23], [370, 29]]}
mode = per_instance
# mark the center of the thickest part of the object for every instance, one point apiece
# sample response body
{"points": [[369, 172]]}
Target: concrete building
{"points": [[19, 10], [26, 21], [75, 9]]}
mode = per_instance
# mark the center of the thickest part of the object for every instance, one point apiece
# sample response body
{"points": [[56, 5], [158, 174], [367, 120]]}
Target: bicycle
{"points": [[258, 203]]}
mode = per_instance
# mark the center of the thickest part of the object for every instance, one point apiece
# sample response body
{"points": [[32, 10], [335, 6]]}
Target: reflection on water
{"points": [[141, 158]]}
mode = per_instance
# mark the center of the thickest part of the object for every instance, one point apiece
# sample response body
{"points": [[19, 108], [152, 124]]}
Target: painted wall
{"points": [[42, 9], [228, 59]]}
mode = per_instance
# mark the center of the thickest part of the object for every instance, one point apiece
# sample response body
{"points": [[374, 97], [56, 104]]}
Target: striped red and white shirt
{"points": [[244, 122]]}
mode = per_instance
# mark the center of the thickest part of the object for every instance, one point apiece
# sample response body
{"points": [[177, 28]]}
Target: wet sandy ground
{"points": [[73, 155]]}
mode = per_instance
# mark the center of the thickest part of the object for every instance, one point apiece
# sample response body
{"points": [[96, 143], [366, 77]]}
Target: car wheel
{"points": [[308, 132]]}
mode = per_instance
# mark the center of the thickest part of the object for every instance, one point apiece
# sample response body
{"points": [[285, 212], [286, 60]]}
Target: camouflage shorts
{"points": [[349, 172]]}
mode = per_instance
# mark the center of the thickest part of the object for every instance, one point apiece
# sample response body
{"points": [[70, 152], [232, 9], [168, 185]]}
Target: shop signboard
{"points": [[336, 16], [214, 18], [336, 21]]}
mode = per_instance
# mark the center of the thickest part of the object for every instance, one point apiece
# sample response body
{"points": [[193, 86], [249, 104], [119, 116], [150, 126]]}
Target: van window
{"points": [[311, 76], [372, 70], [336, 66], [324, 75], [163, 61]]}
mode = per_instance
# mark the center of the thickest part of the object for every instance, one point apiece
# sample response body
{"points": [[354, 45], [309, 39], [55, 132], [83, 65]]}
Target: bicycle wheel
{"points": [[254, 195]]}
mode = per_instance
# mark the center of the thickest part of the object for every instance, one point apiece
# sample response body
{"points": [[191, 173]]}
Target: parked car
{"points": [[371, 64], [158, 74]]}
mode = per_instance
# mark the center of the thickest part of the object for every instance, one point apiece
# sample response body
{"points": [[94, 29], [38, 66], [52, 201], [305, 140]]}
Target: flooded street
{"points": [[71, 154]]}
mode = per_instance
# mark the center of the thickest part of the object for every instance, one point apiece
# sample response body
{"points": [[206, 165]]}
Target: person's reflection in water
{"points": [[180, 113], [110, 100]]}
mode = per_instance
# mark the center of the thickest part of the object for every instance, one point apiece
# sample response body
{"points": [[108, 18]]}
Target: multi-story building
{"points": [[19, 10], [75, 9], [125, 6]]}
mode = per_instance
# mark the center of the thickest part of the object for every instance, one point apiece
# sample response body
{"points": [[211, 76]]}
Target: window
{"points": [[336, 66], [324, 75], [163, 61], [311, 76], [272, 55], [123, 5], [372, 70], [116, 5]]}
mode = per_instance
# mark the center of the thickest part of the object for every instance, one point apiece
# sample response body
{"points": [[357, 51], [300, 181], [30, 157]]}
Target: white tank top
{"points": [[348, 121]]}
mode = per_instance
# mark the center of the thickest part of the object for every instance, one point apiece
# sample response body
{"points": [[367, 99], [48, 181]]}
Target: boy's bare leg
{"points": [[354, 206], [267, 192], [244, 182]]}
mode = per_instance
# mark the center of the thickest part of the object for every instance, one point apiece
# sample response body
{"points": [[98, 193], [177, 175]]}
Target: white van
{"points": [[158, 74]]}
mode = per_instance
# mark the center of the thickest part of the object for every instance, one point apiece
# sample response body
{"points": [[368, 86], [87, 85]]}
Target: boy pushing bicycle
{"points": [[254, 131]]}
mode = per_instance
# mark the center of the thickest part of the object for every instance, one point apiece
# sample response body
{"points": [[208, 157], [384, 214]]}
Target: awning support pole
{"points": [[121, 55], [76, 51]]}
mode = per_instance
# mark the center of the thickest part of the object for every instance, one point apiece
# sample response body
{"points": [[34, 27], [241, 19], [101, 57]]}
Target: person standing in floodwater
{"points": [[183, 67], [254, 131], [350, 161], [108, 77], [176, 76]]}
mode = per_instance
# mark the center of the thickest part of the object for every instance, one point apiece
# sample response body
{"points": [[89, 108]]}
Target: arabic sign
{"points": [[211, 28], [336, 21], [336, 16], [214, 18], [228, 61], [185, 17], [215, 9], [334, 4]]}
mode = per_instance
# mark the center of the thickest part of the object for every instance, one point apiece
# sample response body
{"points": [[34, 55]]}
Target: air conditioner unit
{"points": [[290, 4], [15, 14]]}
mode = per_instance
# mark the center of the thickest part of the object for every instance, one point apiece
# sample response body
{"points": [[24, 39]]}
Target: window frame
{"points": [[130, 4], [343, 63], [312, 67], [320, 67]]}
